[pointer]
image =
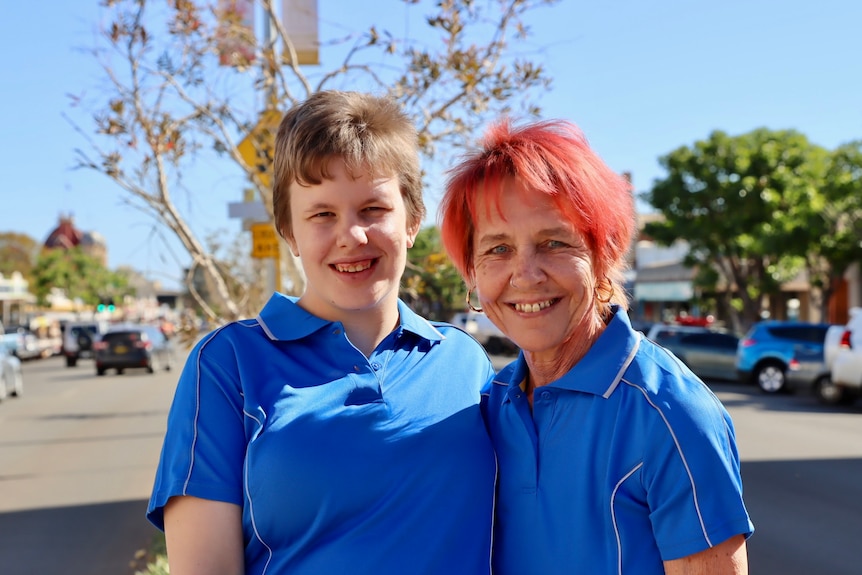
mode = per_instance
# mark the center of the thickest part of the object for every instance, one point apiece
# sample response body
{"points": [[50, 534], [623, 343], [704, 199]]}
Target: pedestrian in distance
{"points": [[614, 458], [338, 431]]}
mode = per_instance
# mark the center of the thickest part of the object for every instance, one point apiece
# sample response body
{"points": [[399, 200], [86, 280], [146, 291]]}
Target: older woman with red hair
{"points": [[613, 457]]}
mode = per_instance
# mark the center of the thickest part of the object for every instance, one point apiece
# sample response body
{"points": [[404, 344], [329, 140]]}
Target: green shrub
{"points": [[154, 560]]}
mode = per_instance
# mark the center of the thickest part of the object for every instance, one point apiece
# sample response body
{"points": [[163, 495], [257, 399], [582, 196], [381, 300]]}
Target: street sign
{"points": [[264, 240], [247, 210], [257, 147]]}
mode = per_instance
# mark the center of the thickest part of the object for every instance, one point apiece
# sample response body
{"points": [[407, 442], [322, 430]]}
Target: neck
{"points": [[366, 330], [548, 365]]}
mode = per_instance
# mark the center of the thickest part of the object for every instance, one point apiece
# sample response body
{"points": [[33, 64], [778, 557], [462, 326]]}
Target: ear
{"points": [[291, 243], [412, 232]]}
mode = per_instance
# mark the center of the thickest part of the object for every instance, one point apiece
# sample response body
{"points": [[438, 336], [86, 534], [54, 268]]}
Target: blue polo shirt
{"points": [[626, 461], [341, 463]]}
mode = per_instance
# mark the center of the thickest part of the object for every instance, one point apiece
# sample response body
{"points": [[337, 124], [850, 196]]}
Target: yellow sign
{"points": [[257, 147], [264, 241]]}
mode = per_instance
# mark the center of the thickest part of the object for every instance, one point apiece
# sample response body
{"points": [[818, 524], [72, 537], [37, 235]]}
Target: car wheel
{"points": [[71, 361], [100, 371], [153, 365], [119, 371], [770, 378], [829, 393]]}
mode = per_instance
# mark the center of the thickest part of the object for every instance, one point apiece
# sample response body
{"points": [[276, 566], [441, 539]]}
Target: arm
{"points": [[204, 536], [726, 558]]}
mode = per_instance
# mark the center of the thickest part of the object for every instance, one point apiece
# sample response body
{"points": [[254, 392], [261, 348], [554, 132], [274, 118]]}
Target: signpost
{"points": [[264, 241], [264, 244], [257, 147]]}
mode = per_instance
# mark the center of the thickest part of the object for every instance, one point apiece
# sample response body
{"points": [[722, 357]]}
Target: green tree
{"points": [[431, 284], [168, 104], [79, 275], [745, 205], [18, 253], [839, 218]]}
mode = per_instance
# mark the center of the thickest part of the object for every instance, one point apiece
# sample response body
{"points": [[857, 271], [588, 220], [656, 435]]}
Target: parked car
{"points": [[485, 332], [709, 353], [133, 346], [27, 344], [843, 352], [78, 338], [11, 377], [782, 356]]}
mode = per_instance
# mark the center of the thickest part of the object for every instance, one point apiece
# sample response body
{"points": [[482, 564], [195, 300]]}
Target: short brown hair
{"points": [[369, 133]]}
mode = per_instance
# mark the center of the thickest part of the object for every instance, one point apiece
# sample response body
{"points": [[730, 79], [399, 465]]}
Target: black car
{"points": [[124, 347]]}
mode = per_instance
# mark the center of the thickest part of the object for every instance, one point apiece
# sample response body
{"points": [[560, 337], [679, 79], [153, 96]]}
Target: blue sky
{"points": [[641, 78]]}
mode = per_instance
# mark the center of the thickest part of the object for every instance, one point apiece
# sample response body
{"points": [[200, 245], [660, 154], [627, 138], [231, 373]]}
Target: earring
{"points": [[610, 295], [470, 303]]}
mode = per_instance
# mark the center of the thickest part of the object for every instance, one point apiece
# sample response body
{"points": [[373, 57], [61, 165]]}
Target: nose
{"points": [[527, 271], [352, 232]]}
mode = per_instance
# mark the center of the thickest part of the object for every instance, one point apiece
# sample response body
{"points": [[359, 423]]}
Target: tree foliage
{"points": [[431, 284], [756, 209], [18, 253], [169, 105], [841, 214], [79, 274]]}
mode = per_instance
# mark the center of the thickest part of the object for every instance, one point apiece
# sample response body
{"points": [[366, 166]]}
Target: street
{"points": [[77, 458], [78, 452]]}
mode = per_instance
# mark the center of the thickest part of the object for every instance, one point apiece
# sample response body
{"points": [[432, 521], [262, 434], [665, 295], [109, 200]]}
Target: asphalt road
{"points": [[78, 452], [77, 457]]}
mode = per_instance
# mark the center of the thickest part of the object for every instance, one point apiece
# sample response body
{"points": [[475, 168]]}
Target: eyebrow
{"points": [[318, 206], [547, 232]]}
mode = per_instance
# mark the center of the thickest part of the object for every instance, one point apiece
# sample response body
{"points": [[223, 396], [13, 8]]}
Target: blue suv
{"points": [[781, 355]]}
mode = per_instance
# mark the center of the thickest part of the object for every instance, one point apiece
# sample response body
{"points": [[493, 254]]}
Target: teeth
{"points": [[353, 268], [533, 307]]}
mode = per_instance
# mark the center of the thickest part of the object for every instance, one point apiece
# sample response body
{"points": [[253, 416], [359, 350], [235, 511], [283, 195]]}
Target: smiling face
{"points": [[352, 236], [534, 274]]}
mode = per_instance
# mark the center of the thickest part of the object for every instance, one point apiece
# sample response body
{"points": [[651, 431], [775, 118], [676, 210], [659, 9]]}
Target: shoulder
{"points": [[229, 340], [662, 384]]}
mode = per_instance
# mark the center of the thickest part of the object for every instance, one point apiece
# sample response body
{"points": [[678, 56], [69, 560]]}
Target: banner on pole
{"points": [[300, 21]]}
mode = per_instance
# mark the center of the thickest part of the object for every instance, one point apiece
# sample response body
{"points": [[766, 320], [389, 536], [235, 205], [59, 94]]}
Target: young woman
{"points": [[338, 432]]}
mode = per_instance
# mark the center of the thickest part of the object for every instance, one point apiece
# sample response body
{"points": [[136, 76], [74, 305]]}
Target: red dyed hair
{"points": [[549, 157]]}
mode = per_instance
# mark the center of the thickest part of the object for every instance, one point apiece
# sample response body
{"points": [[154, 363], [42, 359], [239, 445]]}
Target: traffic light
{"points": [[106, 304]]}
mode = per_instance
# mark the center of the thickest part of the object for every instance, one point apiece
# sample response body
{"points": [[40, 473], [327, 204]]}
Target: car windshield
{"points": [[84, 329], [121, 336]]}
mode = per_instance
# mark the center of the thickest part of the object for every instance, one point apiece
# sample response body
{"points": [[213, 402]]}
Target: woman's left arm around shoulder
{"points": [[727, 558]]}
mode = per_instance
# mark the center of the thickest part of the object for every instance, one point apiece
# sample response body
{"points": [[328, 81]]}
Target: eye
{"points": [[498, 250], [321, 215], [375, 209], [554, 244]]}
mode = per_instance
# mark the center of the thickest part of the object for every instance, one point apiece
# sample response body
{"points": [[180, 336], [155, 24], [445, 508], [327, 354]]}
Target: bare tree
{"points": [[168, 103]]}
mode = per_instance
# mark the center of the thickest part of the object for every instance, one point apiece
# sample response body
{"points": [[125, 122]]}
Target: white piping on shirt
{"points": [[681, 456], [619, 376], [614, 516]]}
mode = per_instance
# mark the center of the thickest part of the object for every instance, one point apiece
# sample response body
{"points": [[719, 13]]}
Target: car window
{"points": [[672, 335], [813, 333], [667, 337], [711, 339], [118, 336]]}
